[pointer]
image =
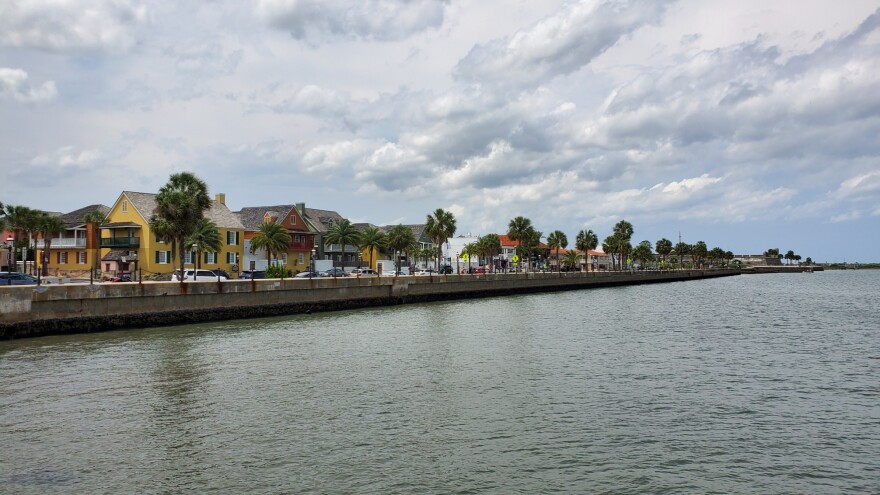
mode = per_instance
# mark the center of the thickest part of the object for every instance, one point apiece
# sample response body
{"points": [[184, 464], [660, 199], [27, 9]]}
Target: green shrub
{"points": [[277, 271]]}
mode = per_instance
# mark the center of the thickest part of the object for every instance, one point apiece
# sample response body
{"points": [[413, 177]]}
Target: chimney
{"points": [[220, 198], [301, 208]]}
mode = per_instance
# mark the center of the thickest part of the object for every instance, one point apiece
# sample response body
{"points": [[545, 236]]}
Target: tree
{"points": [[698, 253], [440, 227], [344, 234], [789, 256], [530, 241], [643, 253], [48, 226], [372, 239], [623, 230], [489, 246], [517, 230], [571, 259], [272, 237], [205, 238], [18, 219], [557, 240], [401, 239], [585, 241], [95, 219], [180, 204], [663, 247], [681, 250], [808, 261]]}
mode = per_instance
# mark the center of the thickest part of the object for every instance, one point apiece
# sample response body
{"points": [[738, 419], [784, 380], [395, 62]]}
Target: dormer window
{"points": [[292, 219], [124, 206]]}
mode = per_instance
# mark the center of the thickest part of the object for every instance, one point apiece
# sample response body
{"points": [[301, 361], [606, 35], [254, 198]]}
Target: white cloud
{"points": [[71, 25], [14, 86], [848, 216], [864, 185], [316, 21]]}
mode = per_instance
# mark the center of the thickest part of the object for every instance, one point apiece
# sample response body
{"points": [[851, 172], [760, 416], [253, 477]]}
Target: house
{"points": [[127, 243], [509, 249], [298, 256], [74, 250], [321, 222]]}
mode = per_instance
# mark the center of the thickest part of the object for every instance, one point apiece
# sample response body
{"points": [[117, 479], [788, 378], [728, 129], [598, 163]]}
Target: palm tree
{"points": [[17, 218], [471, 249], [440, 227], [489, 246], [664, 247], [344, 234], [180, 204], [47, 226], [517, 230], [643, 253], [623, 230], [272, 237], [372, 239], [789, 256], [94, 219], [557, 240], [571, 259], [681, 250], [205, 238], [698, 253], [401, 239], [585, 241], [530, 241]]}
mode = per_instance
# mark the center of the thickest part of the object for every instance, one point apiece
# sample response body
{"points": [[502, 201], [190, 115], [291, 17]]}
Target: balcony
{"points": [[121, 242], [61, 243]]}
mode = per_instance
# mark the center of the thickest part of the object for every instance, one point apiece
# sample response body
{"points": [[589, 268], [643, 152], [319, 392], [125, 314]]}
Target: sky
{"points": [[748, 125]]}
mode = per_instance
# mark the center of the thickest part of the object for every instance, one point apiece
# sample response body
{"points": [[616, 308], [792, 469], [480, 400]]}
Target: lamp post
{"points": [[195, 254], [9, 241], [312, 263]]}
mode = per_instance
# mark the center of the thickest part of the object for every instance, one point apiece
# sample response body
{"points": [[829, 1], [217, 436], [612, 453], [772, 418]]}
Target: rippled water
{"points": [[750, 384]]}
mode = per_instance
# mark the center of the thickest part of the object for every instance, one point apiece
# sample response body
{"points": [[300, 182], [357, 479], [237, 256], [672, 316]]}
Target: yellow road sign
{"points": [[515, 258]]}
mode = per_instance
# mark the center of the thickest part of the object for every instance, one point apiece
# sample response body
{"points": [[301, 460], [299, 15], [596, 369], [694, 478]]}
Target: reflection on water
{"points": [[761, 384]]}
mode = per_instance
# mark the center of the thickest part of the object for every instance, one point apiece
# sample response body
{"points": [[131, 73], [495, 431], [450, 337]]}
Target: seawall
{"points": [[26, 311]]}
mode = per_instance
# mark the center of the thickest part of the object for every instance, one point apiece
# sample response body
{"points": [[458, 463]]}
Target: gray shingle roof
{"points": [[251, 217], [322, 219], [75, 217], [145, 203]]}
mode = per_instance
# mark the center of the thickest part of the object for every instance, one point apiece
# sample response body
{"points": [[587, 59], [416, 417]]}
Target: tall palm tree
{"points": [[643, 253], [489, 247], [571, 259], [372, 239], [624, 232], [681, 250], [401, 239], [33, 221], [180, 204], [205, 238], [344, 234], [557, 240], [95, 219], [440, 227], [48, 226], [698, 253], [272, 237], [585, 241], [531, 238], [663, 247], [517, 229]]}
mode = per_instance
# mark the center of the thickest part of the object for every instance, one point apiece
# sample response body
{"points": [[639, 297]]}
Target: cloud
{"points": [[14, 86], [107, 25], [205, 58], [847, 217], [317, 21], [558, 45], [860, 187]]}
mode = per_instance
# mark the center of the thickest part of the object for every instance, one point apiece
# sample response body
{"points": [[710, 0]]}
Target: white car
{"points": [[198, 276], [364, 272]]}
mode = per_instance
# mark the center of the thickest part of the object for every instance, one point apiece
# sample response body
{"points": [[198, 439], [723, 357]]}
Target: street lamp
{"points": [[195, 254], [9, 241], [312, 263]]}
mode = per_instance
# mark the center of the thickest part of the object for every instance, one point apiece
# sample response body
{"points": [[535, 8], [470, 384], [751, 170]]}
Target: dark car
{"points": [[252, 274], [222, 273], [307, 275], [17, 278], [334, 272], [445, 270]]}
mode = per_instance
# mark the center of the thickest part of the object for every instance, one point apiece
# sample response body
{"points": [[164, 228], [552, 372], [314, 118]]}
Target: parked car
{"points": [[222, 273], [307, 275], [334, 272], [252, 274], [125, 277], [198, 276], [427, 271], [478, 270], [445, 270], [364, 272], [17, 278]]}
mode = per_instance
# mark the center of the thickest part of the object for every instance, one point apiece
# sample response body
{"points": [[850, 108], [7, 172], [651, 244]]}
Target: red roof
{"points": [[507, 242]]}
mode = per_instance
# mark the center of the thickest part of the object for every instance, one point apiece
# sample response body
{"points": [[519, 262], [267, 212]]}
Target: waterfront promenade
{"points": [[78, 308]]}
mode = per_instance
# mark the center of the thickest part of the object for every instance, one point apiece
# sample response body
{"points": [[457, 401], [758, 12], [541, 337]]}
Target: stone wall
{"points": [[26, 311]]}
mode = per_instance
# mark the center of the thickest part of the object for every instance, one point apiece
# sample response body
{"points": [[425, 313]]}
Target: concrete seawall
{"points": [[26, 311]]}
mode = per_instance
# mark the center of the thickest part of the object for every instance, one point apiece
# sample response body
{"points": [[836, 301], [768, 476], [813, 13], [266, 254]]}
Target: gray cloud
{"points": [[558, 45], [316, 21], [14, 86]]}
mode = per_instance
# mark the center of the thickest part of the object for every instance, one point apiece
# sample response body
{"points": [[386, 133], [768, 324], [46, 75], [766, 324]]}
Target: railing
{"points": [[68, 242], [120, 242]]}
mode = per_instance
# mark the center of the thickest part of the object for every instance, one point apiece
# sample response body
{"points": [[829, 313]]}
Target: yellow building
{"points": [[71, 252], [127, 244]]}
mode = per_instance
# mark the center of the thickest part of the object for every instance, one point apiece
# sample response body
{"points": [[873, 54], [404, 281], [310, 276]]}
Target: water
{"points": [[750, 384]]}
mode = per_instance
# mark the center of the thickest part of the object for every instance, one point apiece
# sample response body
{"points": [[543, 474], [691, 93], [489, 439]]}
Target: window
{"points": [[163, 257], [81, 258], [230, 258], [124, 206], [300, 259], [231, 238], [159, 239], [188, 257], [62, 258], [292, 219], [210, 258]]}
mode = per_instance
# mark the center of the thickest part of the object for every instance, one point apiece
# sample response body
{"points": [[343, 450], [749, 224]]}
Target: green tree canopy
{"points": [[557, 240], [372, 239], [440, 226], [180, 204], [272, 237], [205, 238]]}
